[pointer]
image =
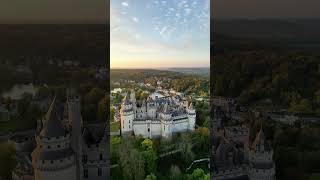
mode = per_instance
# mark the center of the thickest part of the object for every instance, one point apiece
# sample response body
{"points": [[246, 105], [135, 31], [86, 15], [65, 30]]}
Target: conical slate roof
{"points": [[126, 100], [261, 141], [52, 125], [166, 109], [191, 106]]}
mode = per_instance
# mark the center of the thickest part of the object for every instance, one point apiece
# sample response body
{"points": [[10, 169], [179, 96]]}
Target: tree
{"points": [[186, 148], [43, 92], [151, 177], [7, 160], [131, 161], [112, 113], [317, 97], [102, 113], [175, 173], [304, 106], [149, 155], [203, 138], [114, 148], [93, 96], [198, 174], [23, 105], [218, 87]]}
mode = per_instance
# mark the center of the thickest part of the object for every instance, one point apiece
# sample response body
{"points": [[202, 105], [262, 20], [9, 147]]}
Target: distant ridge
{"points": [[199, 71]]}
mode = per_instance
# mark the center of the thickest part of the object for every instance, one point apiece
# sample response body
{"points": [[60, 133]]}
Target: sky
{"points": [[54, 11], [265, 8], [159, 33]]}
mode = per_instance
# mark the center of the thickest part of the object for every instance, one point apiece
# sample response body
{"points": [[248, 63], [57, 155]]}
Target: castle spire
{"points": [[191, 106], [126, 100]]}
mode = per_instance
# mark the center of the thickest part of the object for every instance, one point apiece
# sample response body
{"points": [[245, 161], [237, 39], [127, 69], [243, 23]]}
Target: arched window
{"points": [[99, 172], [85, 173], [84, 158]]}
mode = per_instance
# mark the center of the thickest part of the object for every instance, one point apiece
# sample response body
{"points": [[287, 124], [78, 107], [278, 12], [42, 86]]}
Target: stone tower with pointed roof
{"points": [[191, 116], [65, 149], [53, 158], [261, 164], [75, 122], [126, 116]]}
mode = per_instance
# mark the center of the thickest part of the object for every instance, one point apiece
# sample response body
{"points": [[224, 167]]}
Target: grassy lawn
{"points": [[114, 126]]}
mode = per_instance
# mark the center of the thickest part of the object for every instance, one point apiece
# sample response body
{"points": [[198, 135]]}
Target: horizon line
{"points": [[200, 67]]}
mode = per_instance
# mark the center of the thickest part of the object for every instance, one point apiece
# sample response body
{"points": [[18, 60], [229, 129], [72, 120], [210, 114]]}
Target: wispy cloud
{"points": [[125, 3], [160, 31]]}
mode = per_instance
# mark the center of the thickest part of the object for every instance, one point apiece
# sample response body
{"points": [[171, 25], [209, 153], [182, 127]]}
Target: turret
{"points": [[217, 119], [53, 155], [191, 116], [133, 100], [75, 121], [126, 115], [166, 124], [260, 159], [151, 109]]}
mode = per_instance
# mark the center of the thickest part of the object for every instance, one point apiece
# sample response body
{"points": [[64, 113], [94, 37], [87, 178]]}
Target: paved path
{"points": [[197, 161]]}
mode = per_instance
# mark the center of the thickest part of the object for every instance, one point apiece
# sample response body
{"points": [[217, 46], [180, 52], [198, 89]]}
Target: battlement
{"points": [[56, 164]]}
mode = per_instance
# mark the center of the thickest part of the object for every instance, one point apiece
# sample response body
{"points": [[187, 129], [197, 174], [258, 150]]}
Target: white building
{"points": [[158, 116]]}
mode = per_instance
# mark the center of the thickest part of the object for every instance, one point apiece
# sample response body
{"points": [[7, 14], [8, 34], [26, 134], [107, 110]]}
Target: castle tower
{"points": [[126, 116], [166, 119], [75, 121], [217, 119], [262, 166], [133, 100], [53, 158], [151, 109], [191, 117]]}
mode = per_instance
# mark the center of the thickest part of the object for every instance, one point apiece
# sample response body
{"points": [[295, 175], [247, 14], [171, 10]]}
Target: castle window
{"points": [[85, 173], [49, 147], [164, 128], [129, 121], [84, 158], [99, 172], [129, 126], [100, 156], [148, 129]]}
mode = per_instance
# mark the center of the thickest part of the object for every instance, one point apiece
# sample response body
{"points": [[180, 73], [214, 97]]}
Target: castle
{"points": [[156, 116], [235, 157], [64, 149]]}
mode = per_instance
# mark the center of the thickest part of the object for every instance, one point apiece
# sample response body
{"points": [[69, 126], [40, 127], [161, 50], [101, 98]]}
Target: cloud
{"points": [[125, 3], [135, 19]]}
